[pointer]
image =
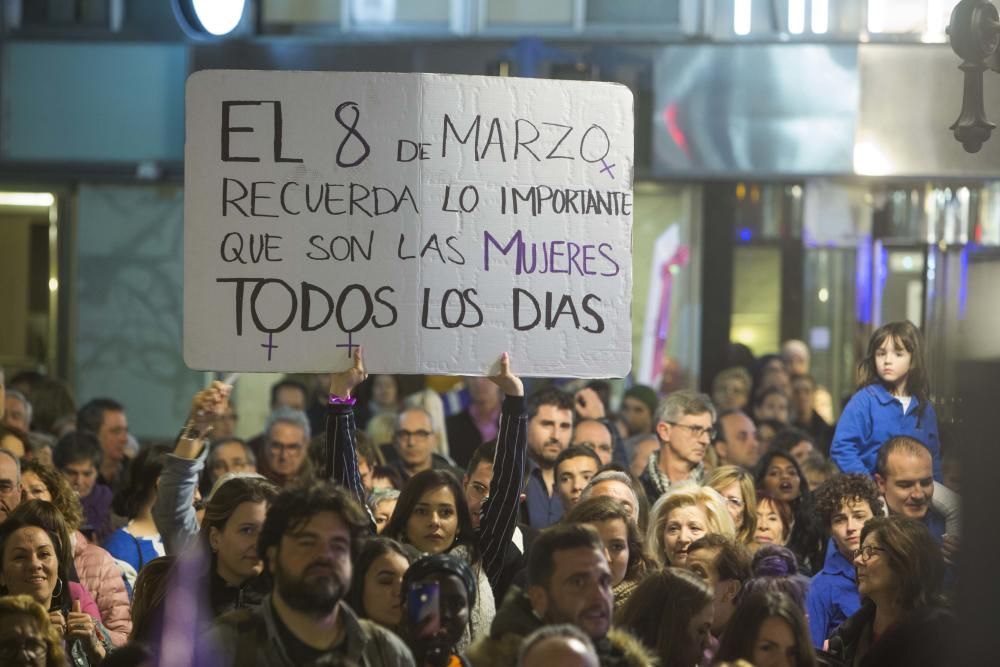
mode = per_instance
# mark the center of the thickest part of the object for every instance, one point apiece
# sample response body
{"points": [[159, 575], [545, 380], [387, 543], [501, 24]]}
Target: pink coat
{"points": [[101, 576], [78, 593]]}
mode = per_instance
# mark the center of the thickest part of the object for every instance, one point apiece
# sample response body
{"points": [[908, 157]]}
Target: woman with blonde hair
{"points": [[683, 515], [26, 631], [736, 486]]}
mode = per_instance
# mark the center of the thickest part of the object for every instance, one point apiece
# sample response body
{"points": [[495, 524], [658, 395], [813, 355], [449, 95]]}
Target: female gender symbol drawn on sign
{"points": [[269, 345], [350, 345]]}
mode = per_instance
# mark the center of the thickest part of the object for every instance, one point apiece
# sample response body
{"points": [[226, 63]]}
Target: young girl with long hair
{"points": [[622, 543], [679, 631], [378, 575], [893, 398], [767, 628], [139, 541]]}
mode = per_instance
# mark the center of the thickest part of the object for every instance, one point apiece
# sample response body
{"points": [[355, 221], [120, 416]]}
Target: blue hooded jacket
{"points": [[871, 417], [833, 595]]}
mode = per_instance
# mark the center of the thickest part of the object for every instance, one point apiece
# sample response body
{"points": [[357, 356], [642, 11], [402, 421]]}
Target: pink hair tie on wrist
{"points": [[337, 400]]}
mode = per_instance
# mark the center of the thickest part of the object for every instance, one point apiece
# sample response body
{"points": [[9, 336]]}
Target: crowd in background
{"points": [[470, 524]]}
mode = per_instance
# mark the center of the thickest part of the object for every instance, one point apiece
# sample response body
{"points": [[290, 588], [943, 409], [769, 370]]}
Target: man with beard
{"points": [[568, 581], [309, 542], [550, 425]]}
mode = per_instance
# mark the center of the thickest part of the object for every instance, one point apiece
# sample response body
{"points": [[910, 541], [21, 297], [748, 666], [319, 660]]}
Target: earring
{"points": [[58, 591]]}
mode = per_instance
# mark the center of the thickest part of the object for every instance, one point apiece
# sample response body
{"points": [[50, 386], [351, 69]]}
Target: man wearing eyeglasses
{"points": [[685, 430], [415, 442], [286, 445]]}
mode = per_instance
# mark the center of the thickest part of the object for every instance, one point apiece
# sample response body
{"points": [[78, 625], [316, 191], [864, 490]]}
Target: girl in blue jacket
{"points": [[892, 399]]}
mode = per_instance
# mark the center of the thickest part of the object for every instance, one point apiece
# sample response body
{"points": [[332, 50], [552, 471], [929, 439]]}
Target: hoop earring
{"points": [[58, 592]]}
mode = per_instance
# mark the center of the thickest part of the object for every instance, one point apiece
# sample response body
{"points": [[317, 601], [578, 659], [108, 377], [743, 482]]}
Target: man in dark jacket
{"points": [[309, 542], [568, 582]]}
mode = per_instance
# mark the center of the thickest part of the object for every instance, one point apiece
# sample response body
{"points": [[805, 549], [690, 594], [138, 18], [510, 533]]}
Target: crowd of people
{"points": [[479, 526]]}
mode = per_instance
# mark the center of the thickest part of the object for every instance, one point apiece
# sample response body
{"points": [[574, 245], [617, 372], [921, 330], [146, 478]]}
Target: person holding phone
{"points": [[432, 514], [438, 592]]}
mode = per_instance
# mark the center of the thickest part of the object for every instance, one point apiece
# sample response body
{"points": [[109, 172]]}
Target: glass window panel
{"points": [[756, 320], [284, 12], [25, 262], [830, 326], [402, 12], [899, 285], [897, 16], [553, 13], [987, 229], [768, 211], [660, 212], [633, 12]]}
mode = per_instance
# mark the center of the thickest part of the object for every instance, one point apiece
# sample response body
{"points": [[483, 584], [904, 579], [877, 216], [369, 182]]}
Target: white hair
{"points": [[28, 410], [609, 476], [286, 415], [793, 347], [685, 402], [17, 464]]}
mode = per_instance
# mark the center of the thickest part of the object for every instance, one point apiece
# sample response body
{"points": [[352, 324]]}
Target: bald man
{"points": [[563, 645]]}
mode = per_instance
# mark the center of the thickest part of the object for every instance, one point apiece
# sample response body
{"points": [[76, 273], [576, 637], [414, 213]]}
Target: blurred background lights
{"points": [[210, 17]]}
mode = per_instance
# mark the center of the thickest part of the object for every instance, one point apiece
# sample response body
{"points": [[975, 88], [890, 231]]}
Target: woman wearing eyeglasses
{"points": [[902, 619], [736, 486]]}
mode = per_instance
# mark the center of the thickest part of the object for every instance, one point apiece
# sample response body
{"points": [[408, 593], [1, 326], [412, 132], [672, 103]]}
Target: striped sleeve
{"points": [[341, 460], [500, 509]]}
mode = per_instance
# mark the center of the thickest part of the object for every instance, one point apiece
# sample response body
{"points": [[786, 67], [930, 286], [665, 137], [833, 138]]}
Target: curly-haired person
{"points": [[844, 504]]}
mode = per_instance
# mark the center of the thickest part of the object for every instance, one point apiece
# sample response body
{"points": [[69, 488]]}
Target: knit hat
{"points": [[646, 395], [431, 564]]}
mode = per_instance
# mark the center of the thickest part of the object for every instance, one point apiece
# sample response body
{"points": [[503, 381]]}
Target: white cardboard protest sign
{"points": [[435, 220]]}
